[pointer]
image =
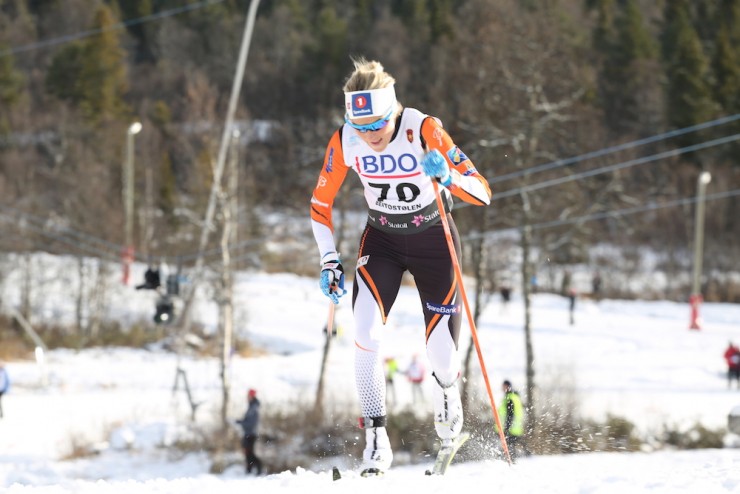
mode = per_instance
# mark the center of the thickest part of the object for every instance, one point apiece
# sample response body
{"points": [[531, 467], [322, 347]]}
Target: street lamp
{"points": [[128, 199], [696, 299]]}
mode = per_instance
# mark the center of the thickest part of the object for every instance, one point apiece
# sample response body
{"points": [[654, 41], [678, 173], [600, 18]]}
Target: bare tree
{"points": [[484, 275], [528, 86], [318, 406]]}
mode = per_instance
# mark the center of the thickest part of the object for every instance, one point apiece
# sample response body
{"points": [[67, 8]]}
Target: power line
{"points": [[537, 226], [109, 246], [612, 149], [89, 243], [619, 166], [608, 214], [633, 210], [103, 254], [92, 32], [62, 230], [217, 250]]}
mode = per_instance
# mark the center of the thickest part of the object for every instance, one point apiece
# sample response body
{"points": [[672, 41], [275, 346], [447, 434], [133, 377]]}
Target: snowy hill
{"points": [[637, 360]]}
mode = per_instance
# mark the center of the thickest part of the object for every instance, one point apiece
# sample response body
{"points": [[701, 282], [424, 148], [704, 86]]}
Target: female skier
{"points": [[396, 152]]}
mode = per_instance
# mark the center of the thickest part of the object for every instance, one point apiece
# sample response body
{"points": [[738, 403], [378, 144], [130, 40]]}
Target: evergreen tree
{"points": [[362, 21], [703, 14], [331, 35], [11, 87], [416, 19], [91, 74], [726, 59], [441, 20], [103, 70], [141, 31], [329, 54], [11, 80], [625, 44], [14, 16], [604, 33], [167, 187], [413, 14], [726, 67], [281, 40], [688, 97], [63, 78], [726, 73]]}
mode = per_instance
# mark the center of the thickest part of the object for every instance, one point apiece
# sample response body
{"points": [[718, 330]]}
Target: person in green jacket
{"points": [[391, 369], [511, 414]]}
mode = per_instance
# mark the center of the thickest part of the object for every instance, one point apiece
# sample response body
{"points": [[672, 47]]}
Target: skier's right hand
{"points": [[331, 279]]}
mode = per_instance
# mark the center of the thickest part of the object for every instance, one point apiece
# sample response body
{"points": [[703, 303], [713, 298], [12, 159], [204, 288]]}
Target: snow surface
{"points": [[632, 359]]}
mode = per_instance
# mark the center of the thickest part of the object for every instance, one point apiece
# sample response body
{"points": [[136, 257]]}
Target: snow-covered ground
{"points": [[636, 360]]}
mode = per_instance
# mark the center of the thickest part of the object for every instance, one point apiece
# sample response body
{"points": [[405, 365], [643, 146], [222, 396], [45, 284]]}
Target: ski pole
{"points": [[330, 320], [473, 331]]}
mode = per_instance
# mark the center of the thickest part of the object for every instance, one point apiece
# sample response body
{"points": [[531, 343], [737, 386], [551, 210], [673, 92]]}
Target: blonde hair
{"points": [[367, 75]]}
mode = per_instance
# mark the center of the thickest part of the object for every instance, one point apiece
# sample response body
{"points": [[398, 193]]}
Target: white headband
{"points": [[370, 103]]}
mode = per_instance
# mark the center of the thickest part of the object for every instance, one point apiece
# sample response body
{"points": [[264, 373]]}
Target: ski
{"points": [[372, 472], [446, 454], [336, 474]]}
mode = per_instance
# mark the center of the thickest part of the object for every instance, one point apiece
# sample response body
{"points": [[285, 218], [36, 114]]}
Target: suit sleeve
{"points": [[333, 173], [467, 184]]}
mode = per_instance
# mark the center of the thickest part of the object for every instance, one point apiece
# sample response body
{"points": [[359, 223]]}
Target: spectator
{"points": [[596, 285], [511, 414], [152, 279], [732, 356], [415, 375], [4, 385], [249, 424], [572, 305], [391, 368], [505, 291], [565, 283]]}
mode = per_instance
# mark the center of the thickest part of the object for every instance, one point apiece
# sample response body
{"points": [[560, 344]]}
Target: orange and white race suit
{"points": [[403, 233]]}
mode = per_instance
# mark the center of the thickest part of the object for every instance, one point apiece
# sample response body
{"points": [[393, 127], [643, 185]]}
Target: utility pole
{"points": [[148, 213], [229, 205], [128, 199], [226, 308], [216, 191], [184, 322], [696, 299], [233, 185]]}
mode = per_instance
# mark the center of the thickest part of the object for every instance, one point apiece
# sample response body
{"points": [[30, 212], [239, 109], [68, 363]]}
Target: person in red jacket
{"points": [[415, 374], [732, 356]]}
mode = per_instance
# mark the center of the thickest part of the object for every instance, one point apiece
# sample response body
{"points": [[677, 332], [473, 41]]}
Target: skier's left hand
{"points": [[435, 166]]}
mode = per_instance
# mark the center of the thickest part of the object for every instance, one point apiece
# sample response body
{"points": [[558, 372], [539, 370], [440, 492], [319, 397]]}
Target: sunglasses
{"points": [[377, 125]]}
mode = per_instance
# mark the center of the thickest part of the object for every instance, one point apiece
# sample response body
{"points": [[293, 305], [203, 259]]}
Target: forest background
{"points": [[592, 119]]}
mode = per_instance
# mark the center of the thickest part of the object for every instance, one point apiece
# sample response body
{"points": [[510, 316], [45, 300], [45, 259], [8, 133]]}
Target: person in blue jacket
{"points": [[249, 425], [4, 385]]}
